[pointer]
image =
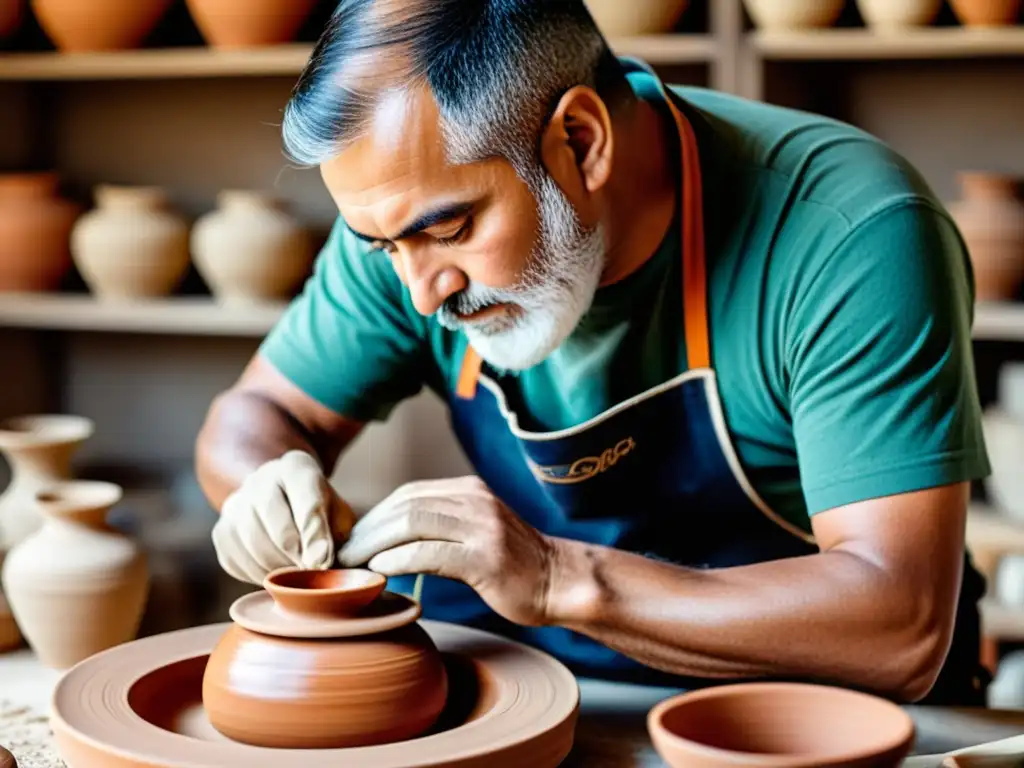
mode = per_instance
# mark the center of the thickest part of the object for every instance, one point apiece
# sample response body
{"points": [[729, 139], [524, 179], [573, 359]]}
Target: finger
{"points": [[233, 557], [436, 558], [415, 524], [268, 533], [308, 494], [394, 504]]}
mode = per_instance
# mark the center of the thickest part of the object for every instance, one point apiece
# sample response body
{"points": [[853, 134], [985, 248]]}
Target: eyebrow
{"points": [[426, 221]]}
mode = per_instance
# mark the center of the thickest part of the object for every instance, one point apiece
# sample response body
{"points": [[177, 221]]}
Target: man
{"points": [[710, 358]]}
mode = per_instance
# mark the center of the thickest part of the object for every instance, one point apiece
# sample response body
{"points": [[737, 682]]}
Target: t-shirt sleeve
{"points": [[881, 373], [351, 340]]}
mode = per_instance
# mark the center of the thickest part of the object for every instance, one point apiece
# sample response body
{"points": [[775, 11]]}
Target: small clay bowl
{"points": [[316, 593], [780, 725]]}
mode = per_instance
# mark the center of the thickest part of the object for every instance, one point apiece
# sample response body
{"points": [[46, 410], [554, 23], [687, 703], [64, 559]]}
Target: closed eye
{"points": [[458, 237]]}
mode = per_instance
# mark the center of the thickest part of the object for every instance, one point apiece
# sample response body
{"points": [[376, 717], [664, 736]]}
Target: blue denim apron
{"points": [[655, 475]]}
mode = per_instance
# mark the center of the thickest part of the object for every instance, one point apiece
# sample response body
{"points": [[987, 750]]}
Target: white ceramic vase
{"points": [[793, 15], [76, 586], [898, 15], [618, 18], [132, 245], [250, 249]]}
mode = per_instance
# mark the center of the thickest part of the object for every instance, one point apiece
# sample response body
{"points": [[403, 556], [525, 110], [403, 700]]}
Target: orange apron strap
{"points": [[469, 375]]}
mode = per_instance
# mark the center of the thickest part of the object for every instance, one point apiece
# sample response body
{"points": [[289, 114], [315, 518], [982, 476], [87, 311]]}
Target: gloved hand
{"points": [[284, 514]]}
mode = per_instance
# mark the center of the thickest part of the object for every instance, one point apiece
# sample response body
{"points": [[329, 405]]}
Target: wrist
{"points": [[574, 592]]}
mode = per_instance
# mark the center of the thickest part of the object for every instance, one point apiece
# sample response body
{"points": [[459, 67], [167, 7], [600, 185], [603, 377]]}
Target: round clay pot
{"points": [[76, 586], [986, 13], [250, 249], [791, 15], [249, 23], [12, 13], [98, 25], [780, 725], [896, 15], [990, 216], [132, 245], [616, 18], [364, 673], [10, 635], [7, 759], [35, 226]]}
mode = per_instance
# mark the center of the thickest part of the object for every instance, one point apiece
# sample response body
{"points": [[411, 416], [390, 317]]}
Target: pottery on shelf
{"points": [[12, 13], [249, 23], [990, 216], [132, 245], [10, 635], [986, 13], [780, 725], [616, 18], [77, 586], [251, 249], [324, 660], [791, 15], [896, 15], [98, 25], [35, 226], [40, 450]]}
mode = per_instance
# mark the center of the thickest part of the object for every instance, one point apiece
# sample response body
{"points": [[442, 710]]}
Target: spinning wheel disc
{"points": [[139, 704]]}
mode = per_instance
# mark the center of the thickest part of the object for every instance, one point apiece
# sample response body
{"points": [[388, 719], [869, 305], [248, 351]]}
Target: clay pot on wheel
{"points": [[98, 25], [897, 15], [35, 226], [639, 17], [780, 725], [793, 15], [986, 13], [357, 668], [990, 216], [249, 23], [132, 245]]}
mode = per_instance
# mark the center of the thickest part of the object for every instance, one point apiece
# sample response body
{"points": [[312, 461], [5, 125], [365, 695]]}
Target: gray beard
{"points": [[554, 293]]}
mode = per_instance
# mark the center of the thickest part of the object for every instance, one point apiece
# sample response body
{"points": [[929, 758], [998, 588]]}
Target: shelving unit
{"points": [[864, 44]]}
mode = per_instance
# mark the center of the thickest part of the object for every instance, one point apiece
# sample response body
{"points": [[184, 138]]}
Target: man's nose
{"points": [[431, 281]]}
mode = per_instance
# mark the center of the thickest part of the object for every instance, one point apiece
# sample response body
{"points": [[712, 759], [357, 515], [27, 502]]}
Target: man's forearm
{"points": [[833, 616]]}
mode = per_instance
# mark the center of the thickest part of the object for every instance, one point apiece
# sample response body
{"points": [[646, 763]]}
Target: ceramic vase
{"points": [[361, 671], [76, 586], [897, 15], [990, 216], [35, 227], [98, 25], [12, 13], [249, 23], [639, 17], [39, 450], [986, 13], [792, 15], [251, 249], [132, 245]]}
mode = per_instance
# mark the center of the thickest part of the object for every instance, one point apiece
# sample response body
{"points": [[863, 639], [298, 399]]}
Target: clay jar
{"points": [[791, 15], [249, 23], [780, 725], [990, 216], [986, 13], [897, 15], [250, 249], [76, 586], [132, 245], [98, 25], [7, 759], [35, 225], [322, 660], [638, 17]]}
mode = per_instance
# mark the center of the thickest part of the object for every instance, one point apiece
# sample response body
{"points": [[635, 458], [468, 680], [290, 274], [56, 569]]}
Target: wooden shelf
{"points": [[281, 60], [865, 44], [188, 316], [999, 322]]}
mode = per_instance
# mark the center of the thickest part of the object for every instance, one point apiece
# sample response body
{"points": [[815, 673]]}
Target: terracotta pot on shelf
{"points": [[990, 216], [35, 227], [132, 245], [363, 671], [76, 586], [987, 13], [250, 249], [897, 15], [12, 13], [249, 23], [794, 15], [98, 25], [638, 17]]}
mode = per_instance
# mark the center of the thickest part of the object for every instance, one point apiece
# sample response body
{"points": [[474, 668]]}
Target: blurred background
{"points": [[141, 138]]}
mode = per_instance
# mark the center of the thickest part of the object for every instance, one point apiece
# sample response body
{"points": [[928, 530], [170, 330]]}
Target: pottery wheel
{"points": [[139, 704]]}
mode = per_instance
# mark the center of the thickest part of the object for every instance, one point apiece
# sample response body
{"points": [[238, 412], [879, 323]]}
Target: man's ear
{"points": [[577, 145]]}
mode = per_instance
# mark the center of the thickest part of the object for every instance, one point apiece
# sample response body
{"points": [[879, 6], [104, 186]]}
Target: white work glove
{"points": [[284, 514]]}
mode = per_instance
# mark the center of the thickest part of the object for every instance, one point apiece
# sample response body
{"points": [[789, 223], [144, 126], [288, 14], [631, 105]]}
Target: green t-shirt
{"points": [[840, 305]]}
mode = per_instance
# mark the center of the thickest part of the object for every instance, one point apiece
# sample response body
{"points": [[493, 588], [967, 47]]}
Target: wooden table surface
{"points": [[611, 733]]}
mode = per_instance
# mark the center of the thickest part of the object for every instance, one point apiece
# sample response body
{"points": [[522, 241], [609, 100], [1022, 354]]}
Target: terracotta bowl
{"points": [[780, 725], [7, 759], [330, 593]]}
